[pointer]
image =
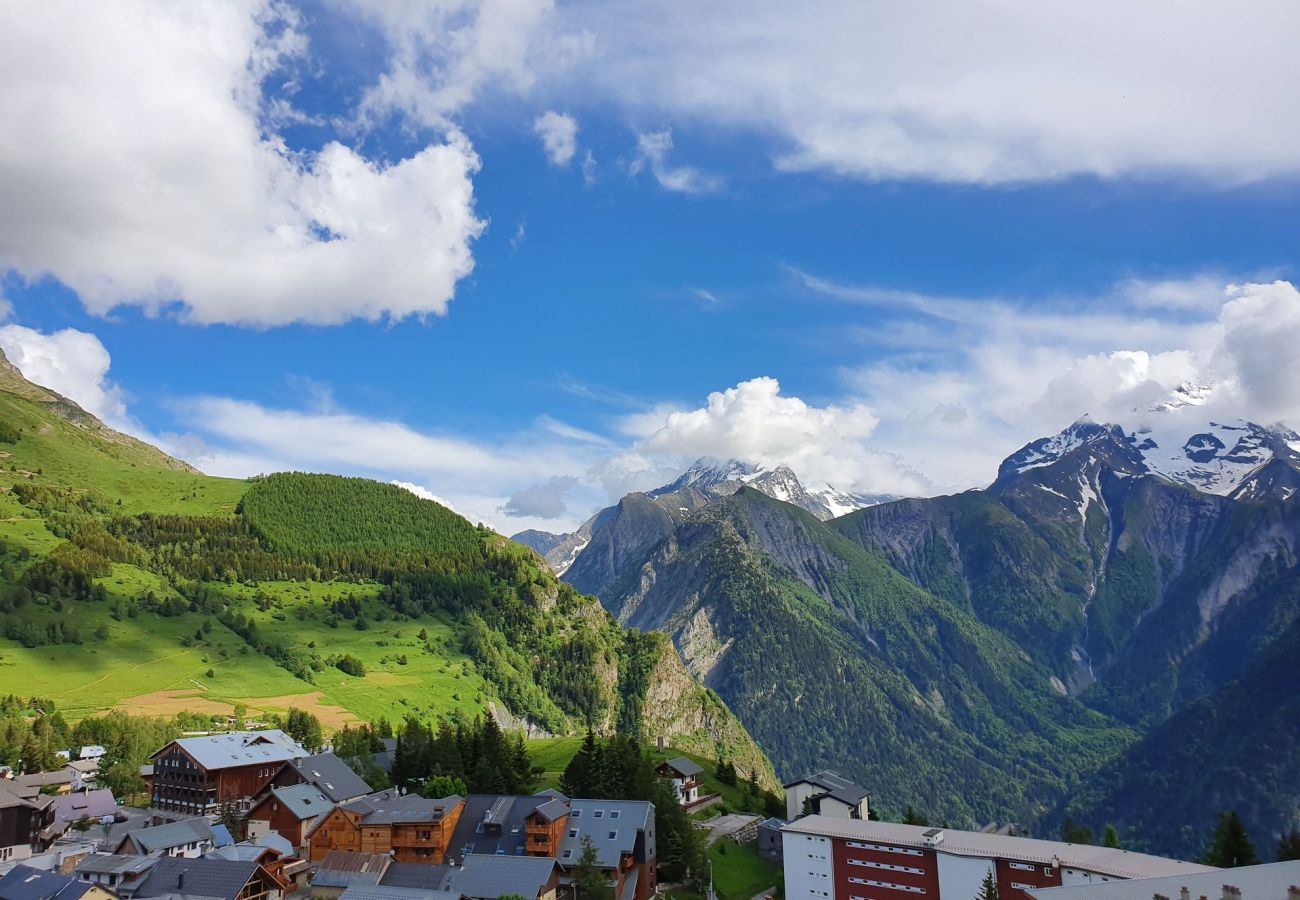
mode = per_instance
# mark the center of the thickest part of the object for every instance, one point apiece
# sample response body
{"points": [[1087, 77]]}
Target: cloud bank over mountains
{"points": [[936, 418]]}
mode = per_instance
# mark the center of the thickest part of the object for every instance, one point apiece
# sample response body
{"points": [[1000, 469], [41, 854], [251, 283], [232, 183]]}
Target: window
{"points": [[1022, 887], [1023, 867], [613, 835], [568, 854], [575, 814], [598, 813], [613, 814], [573, 832]]}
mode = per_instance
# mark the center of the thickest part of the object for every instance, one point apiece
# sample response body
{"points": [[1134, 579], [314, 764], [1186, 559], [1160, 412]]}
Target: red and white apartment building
{"points": [[830, 858]]}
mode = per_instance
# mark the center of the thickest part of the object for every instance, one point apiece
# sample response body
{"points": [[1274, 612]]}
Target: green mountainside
{"points": [[831, 658], [130, 581]]}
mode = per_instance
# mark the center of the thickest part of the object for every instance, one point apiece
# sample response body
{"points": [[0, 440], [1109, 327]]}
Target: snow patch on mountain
{"points": [[718, 477]]}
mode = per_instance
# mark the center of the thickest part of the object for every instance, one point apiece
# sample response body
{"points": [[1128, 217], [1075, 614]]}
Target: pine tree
{"points": [[1230, 846], [1073, 833], [1110, 838], [589, 882], [580, 774], [912, 817], [1288, 846], [988, 888]]}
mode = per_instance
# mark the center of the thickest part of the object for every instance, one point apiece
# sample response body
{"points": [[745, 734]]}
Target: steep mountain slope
{"points": [[1155, 583], [831, 658], [127, 579], [1233, 749]]}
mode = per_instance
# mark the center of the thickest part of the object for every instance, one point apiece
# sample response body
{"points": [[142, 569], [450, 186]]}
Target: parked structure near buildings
{"points": [[832, 858]]}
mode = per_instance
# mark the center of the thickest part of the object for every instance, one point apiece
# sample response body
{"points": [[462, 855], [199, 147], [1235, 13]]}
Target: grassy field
{"points": [[739, 872]]}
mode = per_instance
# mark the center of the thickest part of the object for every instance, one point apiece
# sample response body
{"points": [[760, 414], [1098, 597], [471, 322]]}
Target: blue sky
{"points": [[338, 241]]}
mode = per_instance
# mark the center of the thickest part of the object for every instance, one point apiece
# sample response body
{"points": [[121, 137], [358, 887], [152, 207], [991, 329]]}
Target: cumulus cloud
{"points": [[69, 362], [541, 501], [652, 151], [559, 134], [754, 421], [197, 206]]}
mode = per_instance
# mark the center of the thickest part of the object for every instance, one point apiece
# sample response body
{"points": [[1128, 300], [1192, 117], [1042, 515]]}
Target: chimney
{"points": [[1293, 893], [1230, 892], [1184, 893], [180, 881]]}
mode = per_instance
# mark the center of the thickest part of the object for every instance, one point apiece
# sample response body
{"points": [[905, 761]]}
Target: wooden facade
{"points": [[544, 835], [402, 834], [280, 819], [181, 784]]}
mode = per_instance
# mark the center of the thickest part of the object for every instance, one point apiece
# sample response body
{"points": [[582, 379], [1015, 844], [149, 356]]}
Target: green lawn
{"points": [[739, 872]]}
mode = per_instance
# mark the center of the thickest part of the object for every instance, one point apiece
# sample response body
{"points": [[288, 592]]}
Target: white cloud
{"points": [[69, 362], [589, 169], [986, 92], [423, 493], [559, 134], [652, 151], [754, 421], [135, 166]]}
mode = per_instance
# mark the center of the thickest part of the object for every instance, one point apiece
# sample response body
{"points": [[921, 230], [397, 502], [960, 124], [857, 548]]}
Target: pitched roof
{"points": [[489, 877], [683, 766], [88, 805], [1267, 882], [45, 779], [416, 875], [25, 883], [390, 808], [205, 877], [240, 748], [502, 835], [384, 892], [172, 834], [303, 800], [1102, 860], [552, 809], [12, 796], [344, 868], [834, 784], [245, 851], [273, 840], [332, 776], [115, 864], [612, 826]]}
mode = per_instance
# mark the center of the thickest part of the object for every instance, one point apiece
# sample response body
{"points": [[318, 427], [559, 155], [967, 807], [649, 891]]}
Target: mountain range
{"points": [[1026, 650]]}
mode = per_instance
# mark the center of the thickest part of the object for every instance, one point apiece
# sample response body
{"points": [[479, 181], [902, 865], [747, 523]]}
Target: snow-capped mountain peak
{"points": [[718, 478], [1226, 458]]}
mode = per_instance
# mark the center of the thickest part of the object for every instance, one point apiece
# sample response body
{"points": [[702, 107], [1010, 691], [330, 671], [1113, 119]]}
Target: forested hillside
{"points": [[831, 658], [128, 581]]}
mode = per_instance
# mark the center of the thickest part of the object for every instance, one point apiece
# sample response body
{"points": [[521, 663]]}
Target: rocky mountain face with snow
{"points": [[640, 520], [1111, 591]]}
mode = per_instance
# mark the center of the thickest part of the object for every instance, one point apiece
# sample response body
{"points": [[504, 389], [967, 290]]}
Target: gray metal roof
{"points": [[172, 834], [612, 826], [115, 864], [332, 776], [1101, 860], [205, 877], [489, 877], [504, 836], [834, 784], [281, 845], [87, 805], [384, 892], [552, 810], [683, 766], [241, 748], [416, 875], [246, 852], [25, 883], [1266, 882], [303, 800], [344, 868]]}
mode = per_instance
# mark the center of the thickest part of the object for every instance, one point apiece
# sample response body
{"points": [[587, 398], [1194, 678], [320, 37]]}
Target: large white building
{"points": [[832, 858]]}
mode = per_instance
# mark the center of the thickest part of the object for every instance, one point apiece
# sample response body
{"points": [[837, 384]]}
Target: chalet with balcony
{"points": [[203, 775], [686, 777], [409, 827]]}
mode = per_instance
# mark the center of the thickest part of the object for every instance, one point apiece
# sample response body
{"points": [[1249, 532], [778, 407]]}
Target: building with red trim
{"points": [[831, 858]]}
